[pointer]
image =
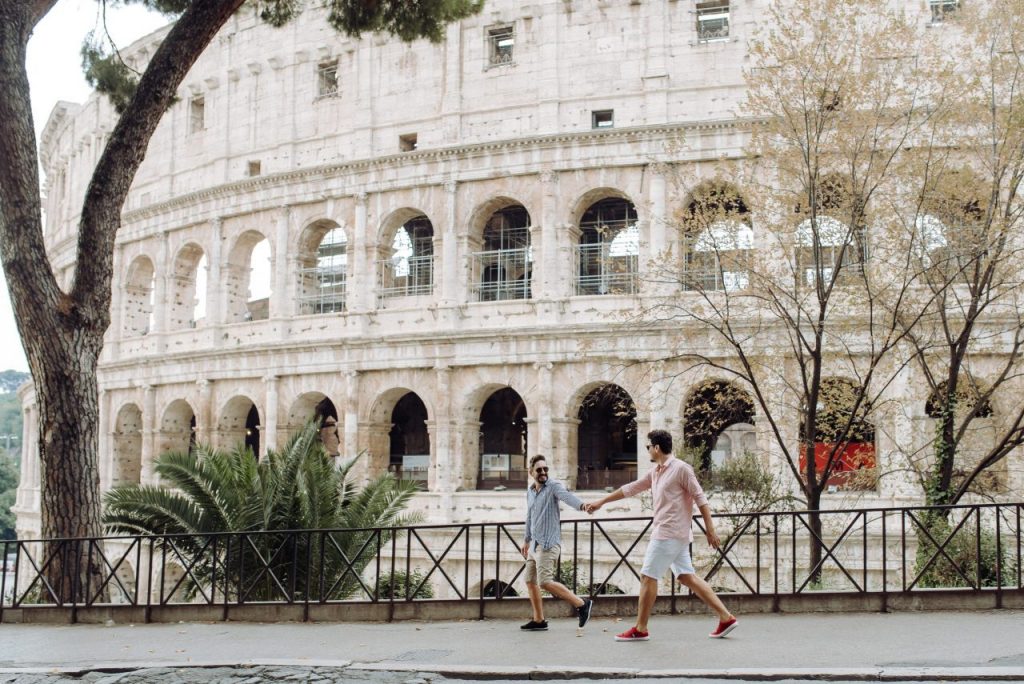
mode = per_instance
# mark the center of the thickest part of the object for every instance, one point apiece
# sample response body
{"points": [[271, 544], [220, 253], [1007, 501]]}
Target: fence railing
{"points": [[877, 550]]}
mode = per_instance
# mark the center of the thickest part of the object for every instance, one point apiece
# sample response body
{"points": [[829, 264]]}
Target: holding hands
{"points": [[592, 507]]}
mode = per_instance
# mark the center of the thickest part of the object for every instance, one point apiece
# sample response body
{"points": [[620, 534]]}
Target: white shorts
{"points": [[665, 553]]}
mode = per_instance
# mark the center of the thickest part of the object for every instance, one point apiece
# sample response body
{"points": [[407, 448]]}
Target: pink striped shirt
{"points": [[676, 490]]}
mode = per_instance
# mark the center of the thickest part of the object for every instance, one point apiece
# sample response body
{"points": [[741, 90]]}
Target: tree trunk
{"points": [[814, 546]]}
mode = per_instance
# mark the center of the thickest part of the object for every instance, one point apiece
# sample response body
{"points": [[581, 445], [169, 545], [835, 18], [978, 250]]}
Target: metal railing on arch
{"points": [[861, 551]]}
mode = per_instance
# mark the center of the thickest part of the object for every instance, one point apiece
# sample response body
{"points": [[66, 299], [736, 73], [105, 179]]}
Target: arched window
{"points": [[717, 414], [128, 446], [188, 288], [846, 437], [409, 270], [503, 268], [503, 441], [139, 291], [607, 441], [718, 239], [410, 440], [609, 248], [260, 282], [323, 282], [827, 249]]}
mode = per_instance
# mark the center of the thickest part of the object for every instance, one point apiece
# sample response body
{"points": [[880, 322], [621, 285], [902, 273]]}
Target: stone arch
{"points": [[606, 437], [127, 446], [593, 196], [323, 255], [503, 440], [177, 428], [607, 238], [239, 424], [239, 281], [718, 237], [709, 411], [138, 292], [975, 410], [502, 259], [405, 259], [187, 300], [380, 427]]}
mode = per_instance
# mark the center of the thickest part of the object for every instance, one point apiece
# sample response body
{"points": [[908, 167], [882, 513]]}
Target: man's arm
{"points": [[709, 526], [565, 496], [525, 548], [625, 491], [617, 495]]}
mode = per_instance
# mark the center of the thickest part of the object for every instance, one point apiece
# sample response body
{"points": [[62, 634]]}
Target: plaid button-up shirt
{"points": [[543, 522]]}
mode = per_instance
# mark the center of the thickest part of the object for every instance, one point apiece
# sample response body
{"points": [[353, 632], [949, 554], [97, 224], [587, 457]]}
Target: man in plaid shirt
{"points": [[542, 545]]}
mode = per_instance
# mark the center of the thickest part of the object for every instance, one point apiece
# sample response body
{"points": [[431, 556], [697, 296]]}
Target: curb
{"points": [[535, 673]]}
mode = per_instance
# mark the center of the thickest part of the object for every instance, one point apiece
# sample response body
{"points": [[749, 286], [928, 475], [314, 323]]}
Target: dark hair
{"points": [[661, 439], [538, 457]]}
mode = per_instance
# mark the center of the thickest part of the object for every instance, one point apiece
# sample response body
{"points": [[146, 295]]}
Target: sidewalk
{"points": [[923, 645]]}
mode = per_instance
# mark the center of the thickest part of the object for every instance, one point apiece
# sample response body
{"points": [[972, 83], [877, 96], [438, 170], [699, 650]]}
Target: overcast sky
{"points": [[55, 73]]}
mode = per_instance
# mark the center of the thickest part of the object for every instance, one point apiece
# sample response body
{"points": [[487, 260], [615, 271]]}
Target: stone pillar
{"points": [[106, 443], [442, 459], [280, 304], [360, 288], [564, 448], [543, 439], [148, 433], [568, 242], [451, 98], [161, 303], [206, 413], [450, 265], [214, 287], [552, 268], [467, 461], [656, 79], [548, 80], [350, 440], [269, 433]]}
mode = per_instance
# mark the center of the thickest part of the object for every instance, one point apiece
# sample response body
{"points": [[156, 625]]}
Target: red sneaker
{"points": [[724, 627], [633, 634]]}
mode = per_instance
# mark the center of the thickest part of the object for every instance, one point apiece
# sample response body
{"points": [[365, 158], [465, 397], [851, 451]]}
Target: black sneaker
{"points": [[533, 626], [584, 611]]}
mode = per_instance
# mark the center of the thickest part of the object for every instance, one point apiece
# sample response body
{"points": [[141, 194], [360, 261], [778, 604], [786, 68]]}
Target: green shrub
{"points": [[400, 586]]}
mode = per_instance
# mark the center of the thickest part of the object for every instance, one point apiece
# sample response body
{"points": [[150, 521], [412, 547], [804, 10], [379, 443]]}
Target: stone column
{"points": [[564, 448], [269, 433], [656, 79], [148, 433], [467, 460], [450, 266], [544, 440], [657, 263], [552, 268], [214, 287], [442, 459], [451, 98], [280, 303], [359, 289], [161, 303], [351, 412], [206, 413], [106, 443]]}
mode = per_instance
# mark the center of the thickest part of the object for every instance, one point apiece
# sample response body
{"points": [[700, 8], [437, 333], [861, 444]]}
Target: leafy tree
{"points": [[264, 503], [62, 332], [8, 489], [399, 586], [10, 380]]}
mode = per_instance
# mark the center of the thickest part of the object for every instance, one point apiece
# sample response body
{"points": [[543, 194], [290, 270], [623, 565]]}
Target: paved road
{"points": [[900, 646]]}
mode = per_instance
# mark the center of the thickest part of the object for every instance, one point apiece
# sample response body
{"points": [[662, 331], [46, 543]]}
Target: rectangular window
{"points": [[254, 168], [196, 115], [407, 142], [712, 21], [327, 79], [942, 9], [602, 118], [501, 42]]}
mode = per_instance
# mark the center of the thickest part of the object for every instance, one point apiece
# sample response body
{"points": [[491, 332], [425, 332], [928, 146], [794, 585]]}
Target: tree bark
{"points": [[63, 333]]}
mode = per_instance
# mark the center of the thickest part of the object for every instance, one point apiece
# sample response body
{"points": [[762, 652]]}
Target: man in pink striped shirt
{"points": [[675, 489]]}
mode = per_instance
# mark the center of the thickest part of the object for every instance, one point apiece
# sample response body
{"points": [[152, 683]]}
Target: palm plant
{"points": [[298, 529]]}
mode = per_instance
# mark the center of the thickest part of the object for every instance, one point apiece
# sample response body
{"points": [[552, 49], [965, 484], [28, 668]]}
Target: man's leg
{"points": [[705, 593], [536, 603], [559, 590], [648, 593]]}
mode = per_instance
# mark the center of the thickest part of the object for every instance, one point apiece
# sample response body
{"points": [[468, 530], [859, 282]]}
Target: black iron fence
{"points": [[877, 550]]}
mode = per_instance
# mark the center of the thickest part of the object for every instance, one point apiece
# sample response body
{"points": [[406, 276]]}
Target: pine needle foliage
{"points": [[300, 528]]}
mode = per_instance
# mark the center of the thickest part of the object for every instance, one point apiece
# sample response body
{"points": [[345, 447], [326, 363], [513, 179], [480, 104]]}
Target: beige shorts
{"points": [[540, 564]]}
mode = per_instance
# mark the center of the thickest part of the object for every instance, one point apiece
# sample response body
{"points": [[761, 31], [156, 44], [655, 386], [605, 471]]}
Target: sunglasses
{"points": [[541, 470]]}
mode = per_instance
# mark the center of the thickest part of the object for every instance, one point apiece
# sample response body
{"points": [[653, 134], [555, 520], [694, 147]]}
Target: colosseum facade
{"points": [[440, 245]]}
